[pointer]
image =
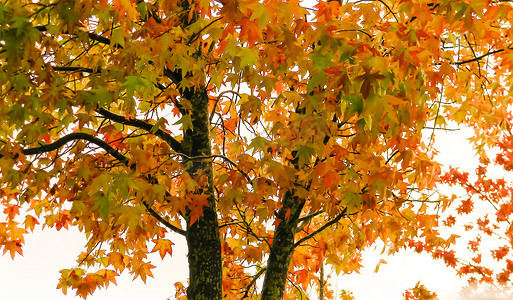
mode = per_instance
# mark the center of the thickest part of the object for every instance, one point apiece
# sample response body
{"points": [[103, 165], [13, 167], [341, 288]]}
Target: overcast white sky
{"points": [[35, 275]]}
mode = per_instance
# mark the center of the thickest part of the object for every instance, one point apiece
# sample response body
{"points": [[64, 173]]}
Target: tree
{"points": [[275, 136]]}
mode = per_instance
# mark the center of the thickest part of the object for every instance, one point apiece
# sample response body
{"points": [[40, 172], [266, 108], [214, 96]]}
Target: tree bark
{"points": [[322, 283], [282, 248], [204, 245]]}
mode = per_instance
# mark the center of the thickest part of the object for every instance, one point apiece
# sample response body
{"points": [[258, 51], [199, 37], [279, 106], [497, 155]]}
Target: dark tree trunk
{"points": [[205, 265], [281, 249]]}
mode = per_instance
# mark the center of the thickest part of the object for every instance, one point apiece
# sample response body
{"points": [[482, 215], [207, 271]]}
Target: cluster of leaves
{"points": [[419, 292], [485, 213], [317, 123]]}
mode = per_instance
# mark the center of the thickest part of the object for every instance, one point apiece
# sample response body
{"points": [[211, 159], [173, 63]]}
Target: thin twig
{"points": [[253, 281], [311, 235]]}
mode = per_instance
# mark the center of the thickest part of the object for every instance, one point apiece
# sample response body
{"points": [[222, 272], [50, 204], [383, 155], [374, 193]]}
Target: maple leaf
{"points": [[30, 222], [196, 205], [12, 247], [466, 206], [369, 80], [12, 211], [142, 270], [108, 276], [500, 253], [117, 260], [380, 262], [163, 246], [330, 179], [419, 292]]}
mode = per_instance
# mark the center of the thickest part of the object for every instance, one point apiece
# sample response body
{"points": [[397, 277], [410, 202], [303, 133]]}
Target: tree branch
{"points": [[171, 141], [217, 156], [310, 216], [255, 278], [75, 69], [320, 229], [71, 137], [477, 58], [304, 220], [174, 76], [92, 36], [163, 221], [102, 144]]}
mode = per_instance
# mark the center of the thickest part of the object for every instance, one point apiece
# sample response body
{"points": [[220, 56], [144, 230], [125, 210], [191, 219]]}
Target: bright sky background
{"points": [[35, 275]]}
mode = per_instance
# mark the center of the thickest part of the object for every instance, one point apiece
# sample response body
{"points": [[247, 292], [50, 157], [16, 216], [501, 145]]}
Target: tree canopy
{"points": [[276, 136]]}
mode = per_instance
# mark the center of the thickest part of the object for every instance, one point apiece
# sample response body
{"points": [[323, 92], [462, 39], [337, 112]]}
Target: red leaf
{"points": [[196, 207]]}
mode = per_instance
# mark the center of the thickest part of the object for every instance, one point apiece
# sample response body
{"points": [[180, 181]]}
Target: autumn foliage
{"points": [[276, 136]]}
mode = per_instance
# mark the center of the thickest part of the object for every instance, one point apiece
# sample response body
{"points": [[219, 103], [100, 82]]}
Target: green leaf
{"points": [[304, 153], [161, 124], [321, 61], [316, 80], [100, 183], [186, 122], [20, 24], [258, 144], [18, 114], [248, 57], [260, 13], [136, 84], [352, 200], [117, 38], [78, 208], [3, 11], [355, 104], [102, 205]]}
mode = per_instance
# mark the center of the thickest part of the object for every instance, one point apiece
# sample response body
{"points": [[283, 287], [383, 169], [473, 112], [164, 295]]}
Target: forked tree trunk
{"points": [[282, 248], [205, 265]]}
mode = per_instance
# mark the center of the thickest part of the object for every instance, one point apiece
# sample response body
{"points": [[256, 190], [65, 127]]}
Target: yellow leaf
{"points": [[381, 261]]}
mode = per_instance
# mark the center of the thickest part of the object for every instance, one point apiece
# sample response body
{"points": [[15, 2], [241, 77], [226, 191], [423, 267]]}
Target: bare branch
{"points": [[92, 36], [478, 58], [304, 220], [310, 216], [76, 69], [228, 224], [217, 101], [331, 222], [72, 137], [255, 278], [195, 36], [164, 221], [175, 76]]}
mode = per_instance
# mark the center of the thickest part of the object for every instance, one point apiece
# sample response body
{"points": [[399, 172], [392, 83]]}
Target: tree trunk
{"points": [[322, 283], [281, 249], [205, 268]]}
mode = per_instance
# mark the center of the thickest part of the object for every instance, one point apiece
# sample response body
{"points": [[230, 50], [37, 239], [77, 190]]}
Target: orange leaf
{"points": [[13, 247], [196, 206], [30, 222], [163, 246], [12, 211], [330, 179]]}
